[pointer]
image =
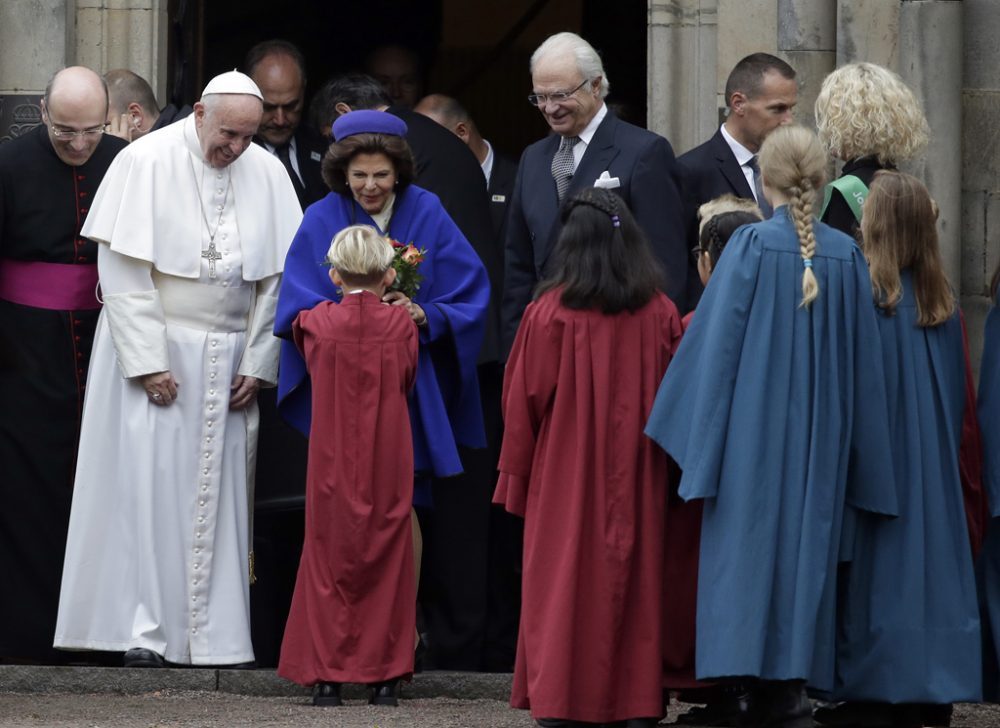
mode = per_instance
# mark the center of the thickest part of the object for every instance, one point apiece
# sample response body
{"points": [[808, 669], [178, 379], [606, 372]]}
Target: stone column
{"points": [[682, 71], [35, 36], [922, 41], [980, 180], [807, 39], [128, 34]]}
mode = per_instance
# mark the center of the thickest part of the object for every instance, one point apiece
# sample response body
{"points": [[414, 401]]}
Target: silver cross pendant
{"points": [[211, 255]]}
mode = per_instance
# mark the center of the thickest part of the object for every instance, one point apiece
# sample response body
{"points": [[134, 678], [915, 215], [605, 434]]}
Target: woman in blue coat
{"points": [[775, 409]]}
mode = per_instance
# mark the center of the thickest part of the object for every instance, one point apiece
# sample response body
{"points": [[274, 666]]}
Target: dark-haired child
{"points": [[352, 617], [590, 486]]}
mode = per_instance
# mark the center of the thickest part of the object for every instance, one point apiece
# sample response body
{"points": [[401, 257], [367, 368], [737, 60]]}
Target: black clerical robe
{"points": [[43, 372]]}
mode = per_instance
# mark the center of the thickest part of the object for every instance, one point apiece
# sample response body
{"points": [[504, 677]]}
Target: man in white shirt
{"points": [[278, 69], [193, 224], [761, 93]]}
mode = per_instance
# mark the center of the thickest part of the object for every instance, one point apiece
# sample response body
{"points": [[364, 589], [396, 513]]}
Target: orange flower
{"points": [[411, 255]]}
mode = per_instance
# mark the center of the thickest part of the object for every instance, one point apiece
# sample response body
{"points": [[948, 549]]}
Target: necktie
{"points": [[758, 187], [562, 165], [283, 155]]}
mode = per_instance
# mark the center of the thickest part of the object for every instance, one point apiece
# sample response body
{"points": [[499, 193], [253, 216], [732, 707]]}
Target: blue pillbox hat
{"points": [[368, 121]]}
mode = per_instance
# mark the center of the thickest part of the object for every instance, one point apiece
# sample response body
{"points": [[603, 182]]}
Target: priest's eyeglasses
{"points": [[71, 133], [556, 97]]}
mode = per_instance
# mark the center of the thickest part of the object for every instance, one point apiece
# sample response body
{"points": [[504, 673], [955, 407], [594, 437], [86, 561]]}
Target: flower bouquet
{"points": [[406, 263]]}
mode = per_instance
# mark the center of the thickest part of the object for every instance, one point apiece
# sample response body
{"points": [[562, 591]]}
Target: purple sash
{"points": [[56, 286]]}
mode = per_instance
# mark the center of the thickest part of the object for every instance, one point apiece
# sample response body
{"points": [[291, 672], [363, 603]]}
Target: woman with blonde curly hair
{"points": [[775, 410], [867, 117]]}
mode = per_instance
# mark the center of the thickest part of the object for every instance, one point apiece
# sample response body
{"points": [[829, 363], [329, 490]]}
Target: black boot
{"points": [[327, 694], [385, 693]]}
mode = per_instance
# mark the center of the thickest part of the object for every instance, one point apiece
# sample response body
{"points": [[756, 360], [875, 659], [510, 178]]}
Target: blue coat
{"points": [[777, 416], [910, 622], [444, 406]]}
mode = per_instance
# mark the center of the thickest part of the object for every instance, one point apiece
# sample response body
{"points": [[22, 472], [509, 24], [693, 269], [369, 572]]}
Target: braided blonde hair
{"points": [[792, 161]]}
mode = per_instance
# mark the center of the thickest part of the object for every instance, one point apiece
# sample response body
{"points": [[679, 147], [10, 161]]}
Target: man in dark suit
{"points": [[278, 69], [506, 532], [590, 147], [498, 169], [761, 93]]}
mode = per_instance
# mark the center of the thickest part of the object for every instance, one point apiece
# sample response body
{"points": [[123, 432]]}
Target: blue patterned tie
{"points": [[758, 187], [562, 165]]}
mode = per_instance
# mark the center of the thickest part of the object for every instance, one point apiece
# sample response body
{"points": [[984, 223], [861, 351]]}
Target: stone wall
{"points": [[39, 37], [945, 50]]}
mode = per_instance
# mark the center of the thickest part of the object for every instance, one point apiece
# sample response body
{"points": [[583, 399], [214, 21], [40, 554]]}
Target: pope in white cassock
{"points": [[194, 222]]}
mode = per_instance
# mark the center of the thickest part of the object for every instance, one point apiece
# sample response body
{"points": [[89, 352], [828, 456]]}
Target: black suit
{"points": [[709, 170], [310, 148], [281, 466], [455, 576], [649, 180]]}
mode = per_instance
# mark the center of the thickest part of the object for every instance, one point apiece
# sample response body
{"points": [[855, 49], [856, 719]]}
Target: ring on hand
{"points": [[156, 395]]}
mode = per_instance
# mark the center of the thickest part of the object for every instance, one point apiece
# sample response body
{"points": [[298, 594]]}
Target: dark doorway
{"points": [[478, 52]]}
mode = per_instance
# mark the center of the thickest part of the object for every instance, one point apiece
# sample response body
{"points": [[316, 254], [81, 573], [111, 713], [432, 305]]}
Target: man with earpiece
{"points": [[133, 111]]}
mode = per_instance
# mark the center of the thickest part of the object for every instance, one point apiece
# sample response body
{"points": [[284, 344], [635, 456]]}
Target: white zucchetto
{"points": [[232, 82]]}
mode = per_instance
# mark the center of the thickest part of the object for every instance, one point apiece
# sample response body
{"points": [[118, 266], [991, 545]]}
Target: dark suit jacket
{"points": [[310, 148], [449, 169], [500, 189], [649, 175], [709, 170]]}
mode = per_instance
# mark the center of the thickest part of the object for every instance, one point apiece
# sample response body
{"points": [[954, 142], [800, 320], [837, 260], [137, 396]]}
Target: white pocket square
{"points": [[607, 182]]}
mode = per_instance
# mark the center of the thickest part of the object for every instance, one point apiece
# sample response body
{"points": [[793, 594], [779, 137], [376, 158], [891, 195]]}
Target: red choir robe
{"points": [[352, 617], [592, 490]]}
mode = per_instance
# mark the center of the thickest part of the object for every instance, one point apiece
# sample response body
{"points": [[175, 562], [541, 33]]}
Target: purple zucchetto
{"points": [[368, 121]]}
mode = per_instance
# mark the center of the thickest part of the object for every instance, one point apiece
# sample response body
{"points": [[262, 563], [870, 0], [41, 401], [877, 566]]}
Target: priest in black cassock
{"points": [[48, 312]]}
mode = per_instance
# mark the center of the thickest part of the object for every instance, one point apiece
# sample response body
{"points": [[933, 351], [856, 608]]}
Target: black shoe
{"points": [[715, 713], [141, 657], [856, 715], [420, 653], [327, 694], [788, 705], [385, 693], [938, 716], [747, 703], [641, 723]]}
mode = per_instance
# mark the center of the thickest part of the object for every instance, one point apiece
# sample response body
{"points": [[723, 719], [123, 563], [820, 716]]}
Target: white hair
{"points": [[359, 250], [587, 59]]}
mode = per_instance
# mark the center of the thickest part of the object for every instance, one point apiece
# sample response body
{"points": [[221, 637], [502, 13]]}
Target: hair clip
{"points": [[807, 263], [616, 221]]}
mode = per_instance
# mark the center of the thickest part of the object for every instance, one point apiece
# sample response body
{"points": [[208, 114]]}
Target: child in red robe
{"points": [[352, 615], [719, 220], [592, 489]]}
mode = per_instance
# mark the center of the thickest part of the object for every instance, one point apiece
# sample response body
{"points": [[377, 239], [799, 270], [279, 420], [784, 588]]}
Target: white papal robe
{"points": [[159, 540]]}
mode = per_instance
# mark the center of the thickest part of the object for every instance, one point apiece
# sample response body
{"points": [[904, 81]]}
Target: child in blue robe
{"points": [[910, 622], [775, 409]]}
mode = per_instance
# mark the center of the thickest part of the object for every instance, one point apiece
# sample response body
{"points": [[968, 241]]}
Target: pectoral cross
{"points": [[211, 255]]}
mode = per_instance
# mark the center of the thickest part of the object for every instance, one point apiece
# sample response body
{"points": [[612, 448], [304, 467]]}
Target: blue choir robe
{"points": [[910, 618], [445, 412], [777, 415], [988, 409]]}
